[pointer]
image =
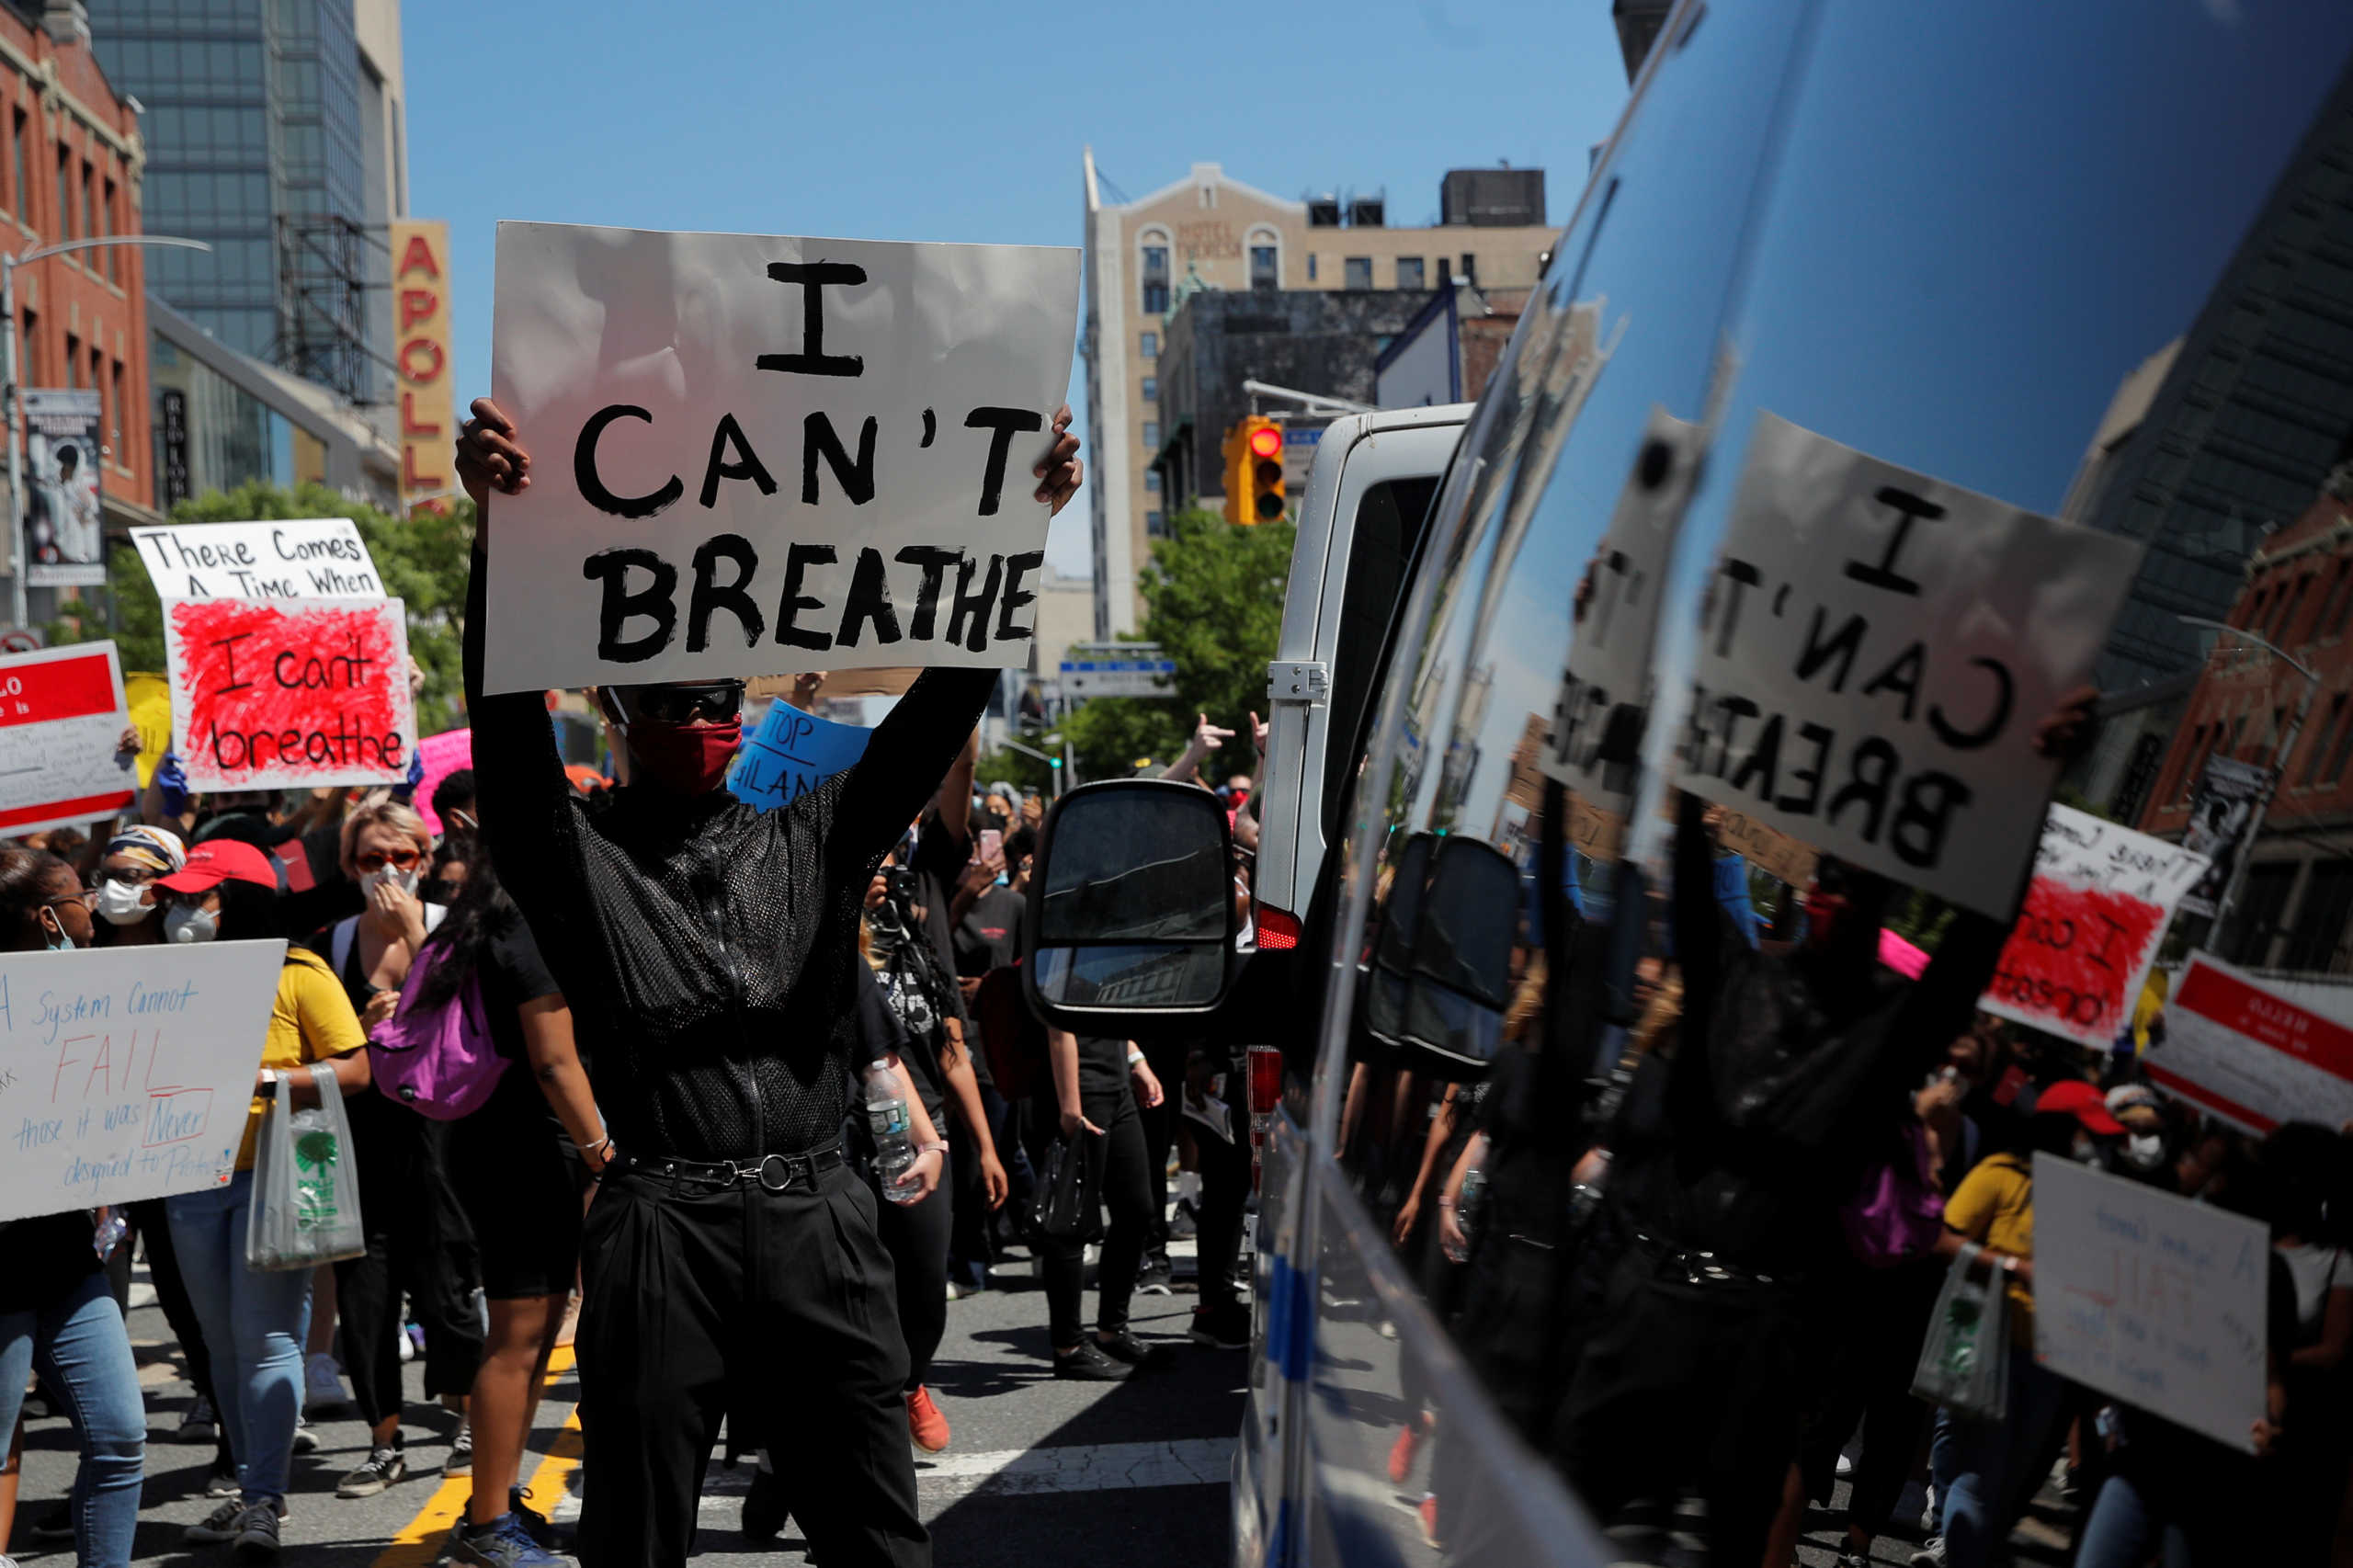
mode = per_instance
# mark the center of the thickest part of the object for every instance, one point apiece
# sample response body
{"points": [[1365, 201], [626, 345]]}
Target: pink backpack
{"points": [[438, 1061]]}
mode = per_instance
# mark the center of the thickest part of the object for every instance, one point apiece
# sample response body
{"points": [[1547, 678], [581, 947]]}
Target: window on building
{"points": [[1439, 275], [1152, 389], [14, 194], [2254, 609], [1263, 269], [65, 195], [2256, 920], [1409, 272], [92, 225], [2294, 602], [106, 227], [1152, 435], [2322, 742], [2344, 611], [30, 351], [1311, 267], [1148, 346], [1156, 279], [73, 361], [2317, 940], [2271, 737], [1151, 482], [114, 418], [1470, 269], [1355, 272], [2189, 762], [1155, 526], [2238, 727], [2337, 758]]}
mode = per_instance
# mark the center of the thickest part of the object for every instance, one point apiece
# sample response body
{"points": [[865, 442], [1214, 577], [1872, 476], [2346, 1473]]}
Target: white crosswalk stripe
{"points": [[1007, 1472]]}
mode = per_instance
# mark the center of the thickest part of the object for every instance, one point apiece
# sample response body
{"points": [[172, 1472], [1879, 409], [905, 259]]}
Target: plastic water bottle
{"points": [[886, 1118], [317, 1152], [1466, 1212], [108, 1235]]}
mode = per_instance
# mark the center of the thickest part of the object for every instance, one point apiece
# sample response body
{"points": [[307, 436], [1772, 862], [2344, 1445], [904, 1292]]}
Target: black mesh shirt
{"points": [[708, 951]]}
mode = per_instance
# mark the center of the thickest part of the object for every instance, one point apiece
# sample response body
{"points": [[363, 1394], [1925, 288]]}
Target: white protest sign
{"points": [[1876, 650], [1604, 708], [2094, 917], [2151, 1298], [126, 1073], [307, 558], [2246, 1053], [61, 713], [759, 455]]}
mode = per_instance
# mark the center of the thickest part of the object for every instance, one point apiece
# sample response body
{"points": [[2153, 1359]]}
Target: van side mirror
{"points": [[1131, 905], [1439, 982]]}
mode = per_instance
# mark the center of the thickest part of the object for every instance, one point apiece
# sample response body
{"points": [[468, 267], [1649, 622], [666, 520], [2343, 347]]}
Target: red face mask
{"points": [[686, 759]]}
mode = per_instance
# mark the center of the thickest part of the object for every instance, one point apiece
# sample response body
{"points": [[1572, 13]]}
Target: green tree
{"points": [[1213, 600], [423, 563]]}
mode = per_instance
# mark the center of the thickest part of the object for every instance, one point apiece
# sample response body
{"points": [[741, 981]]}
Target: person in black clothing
{"points": [[709, 952], [1087, 1096], [520, 1163]]}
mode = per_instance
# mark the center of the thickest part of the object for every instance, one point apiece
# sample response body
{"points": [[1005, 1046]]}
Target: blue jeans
{"points": [[78, 1342], [1999, 1464], [254, 1327], [2124, 1527]]}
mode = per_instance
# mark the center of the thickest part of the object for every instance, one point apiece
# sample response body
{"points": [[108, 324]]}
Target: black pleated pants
{"points": [[779, 1307]]}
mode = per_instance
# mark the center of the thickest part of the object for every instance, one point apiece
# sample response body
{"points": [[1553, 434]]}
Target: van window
{"points": [[1388, 525]]}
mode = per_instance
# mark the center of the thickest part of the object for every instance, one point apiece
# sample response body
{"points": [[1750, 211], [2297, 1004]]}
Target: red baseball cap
{"points": [[217, 860], [2077, 1099]]}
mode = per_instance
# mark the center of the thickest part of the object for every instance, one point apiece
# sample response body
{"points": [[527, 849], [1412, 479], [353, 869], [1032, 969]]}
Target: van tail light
{"points": [[1266, 1093], [1277, 929]]}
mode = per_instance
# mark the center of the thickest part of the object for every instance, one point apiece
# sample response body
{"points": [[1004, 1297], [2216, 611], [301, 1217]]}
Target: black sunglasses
{"points": [[718, 702]]}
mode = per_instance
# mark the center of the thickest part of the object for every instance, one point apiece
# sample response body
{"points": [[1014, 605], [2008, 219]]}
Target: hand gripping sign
{"points": [[759, 455], [1876, 651], [290, 692]]}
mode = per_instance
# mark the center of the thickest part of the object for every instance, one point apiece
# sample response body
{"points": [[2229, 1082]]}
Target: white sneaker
{"points": [[322, 1382], [1931, 1553], [407, 1349]]}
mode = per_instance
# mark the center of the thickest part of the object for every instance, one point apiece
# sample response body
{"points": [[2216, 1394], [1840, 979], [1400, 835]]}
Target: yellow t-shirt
{"points": [[1995, 1205], [311, 1021]]}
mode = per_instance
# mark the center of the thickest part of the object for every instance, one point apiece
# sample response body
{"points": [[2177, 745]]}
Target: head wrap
{"points": [[159, 850]]}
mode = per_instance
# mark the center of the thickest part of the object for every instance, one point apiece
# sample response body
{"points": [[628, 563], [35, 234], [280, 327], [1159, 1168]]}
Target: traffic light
{"points": [[1254, 471]]}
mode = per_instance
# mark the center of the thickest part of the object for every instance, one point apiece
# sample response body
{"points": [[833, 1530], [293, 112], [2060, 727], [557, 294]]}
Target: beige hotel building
{"points": [[1233, 237]]}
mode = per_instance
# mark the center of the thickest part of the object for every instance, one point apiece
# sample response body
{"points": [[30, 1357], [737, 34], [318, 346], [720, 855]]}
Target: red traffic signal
{"points": [[1266, 442]]}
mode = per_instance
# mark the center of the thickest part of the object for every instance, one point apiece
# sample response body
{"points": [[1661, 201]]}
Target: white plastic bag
{"points": [[1965, 1361], [305, 1205]]}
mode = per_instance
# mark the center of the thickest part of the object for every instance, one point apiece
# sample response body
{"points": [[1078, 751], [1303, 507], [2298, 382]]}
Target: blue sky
{"points": [[965, 123]]}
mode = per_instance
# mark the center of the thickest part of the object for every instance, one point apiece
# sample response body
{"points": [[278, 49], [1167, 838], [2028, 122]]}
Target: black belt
{"points": [[773, 1173]]}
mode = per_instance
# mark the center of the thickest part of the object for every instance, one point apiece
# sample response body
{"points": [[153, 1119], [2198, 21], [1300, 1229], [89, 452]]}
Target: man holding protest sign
{"points": [[709, 950]]}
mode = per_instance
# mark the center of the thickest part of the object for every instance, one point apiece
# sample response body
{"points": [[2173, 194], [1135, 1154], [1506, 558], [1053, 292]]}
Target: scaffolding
{"points": [[327, 267]]}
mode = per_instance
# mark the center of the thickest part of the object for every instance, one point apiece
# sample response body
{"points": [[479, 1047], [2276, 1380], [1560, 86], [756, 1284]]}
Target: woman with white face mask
{"points": [[413, 1219], [123, 897]]}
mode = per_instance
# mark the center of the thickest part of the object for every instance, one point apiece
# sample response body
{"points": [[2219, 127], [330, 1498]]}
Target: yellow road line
{"points": [[421, 1540]]}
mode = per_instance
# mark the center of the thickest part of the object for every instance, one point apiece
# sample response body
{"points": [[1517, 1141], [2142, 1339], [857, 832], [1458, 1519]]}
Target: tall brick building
{"points": [[2296, 905], [69, 163]]}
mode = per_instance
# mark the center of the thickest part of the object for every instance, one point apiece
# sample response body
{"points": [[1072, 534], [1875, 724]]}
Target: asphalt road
{"points": [[1038, 1470]]}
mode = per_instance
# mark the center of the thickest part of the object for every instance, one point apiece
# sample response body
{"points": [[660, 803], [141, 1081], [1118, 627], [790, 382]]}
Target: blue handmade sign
{"points": [[791, 754]]}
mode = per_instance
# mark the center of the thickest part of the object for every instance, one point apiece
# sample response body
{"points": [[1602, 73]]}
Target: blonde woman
{"points": [[417, 1236]]}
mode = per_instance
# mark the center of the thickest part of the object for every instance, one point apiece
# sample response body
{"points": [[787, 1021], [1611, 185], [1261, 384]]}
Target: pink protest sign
{"points": [[442, 755]]}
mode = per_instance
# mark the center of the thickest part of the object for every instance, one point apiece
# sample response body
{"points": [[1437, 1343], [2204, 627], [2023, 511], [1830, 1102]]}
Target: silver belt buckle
{"points": [[784, 1167]]}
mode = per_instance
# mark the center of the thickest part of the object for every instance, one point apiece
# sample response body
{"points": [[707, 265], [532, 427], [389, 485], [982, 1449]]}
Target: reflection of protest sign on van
{"points": [[2221, 811], [1876, 650], [2238, 1050], [284, 693], [129, 1071], [762, 455], [64, 531], [2094, 917]]}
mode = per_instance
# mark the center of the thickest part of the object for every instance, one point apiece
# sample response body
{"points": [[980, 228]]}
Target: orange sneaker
{"points": [[1401, 1453], [925, 1424]]}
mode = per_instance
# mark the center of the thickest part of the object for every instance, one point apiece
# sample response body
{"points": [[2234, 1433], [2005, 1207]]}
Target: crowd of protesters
{"points": [[474, 1223], [1706, 1295]]}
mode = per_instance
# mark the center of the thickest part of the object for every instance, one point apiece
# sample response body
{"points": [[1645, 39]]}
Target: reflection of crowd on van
{"points": [[405, 944], [1699, 1274]]}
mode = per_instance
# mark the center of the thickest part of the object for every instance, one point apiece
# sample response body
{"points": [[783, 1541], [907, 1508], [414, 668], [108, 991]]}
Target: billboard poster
{"points": [[2222, 814], [64, 536]]}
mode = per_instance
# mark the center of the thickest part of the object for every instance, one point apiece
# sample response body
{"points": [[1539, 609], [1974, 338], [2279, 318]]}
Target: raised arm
{"points": [[518, 771]]}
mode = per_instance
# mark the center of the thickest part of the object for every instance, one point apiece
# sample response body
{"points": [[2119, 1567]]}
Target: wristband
{"points": [[1446, 1202], [938, 1143], [1134, 1056]]}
